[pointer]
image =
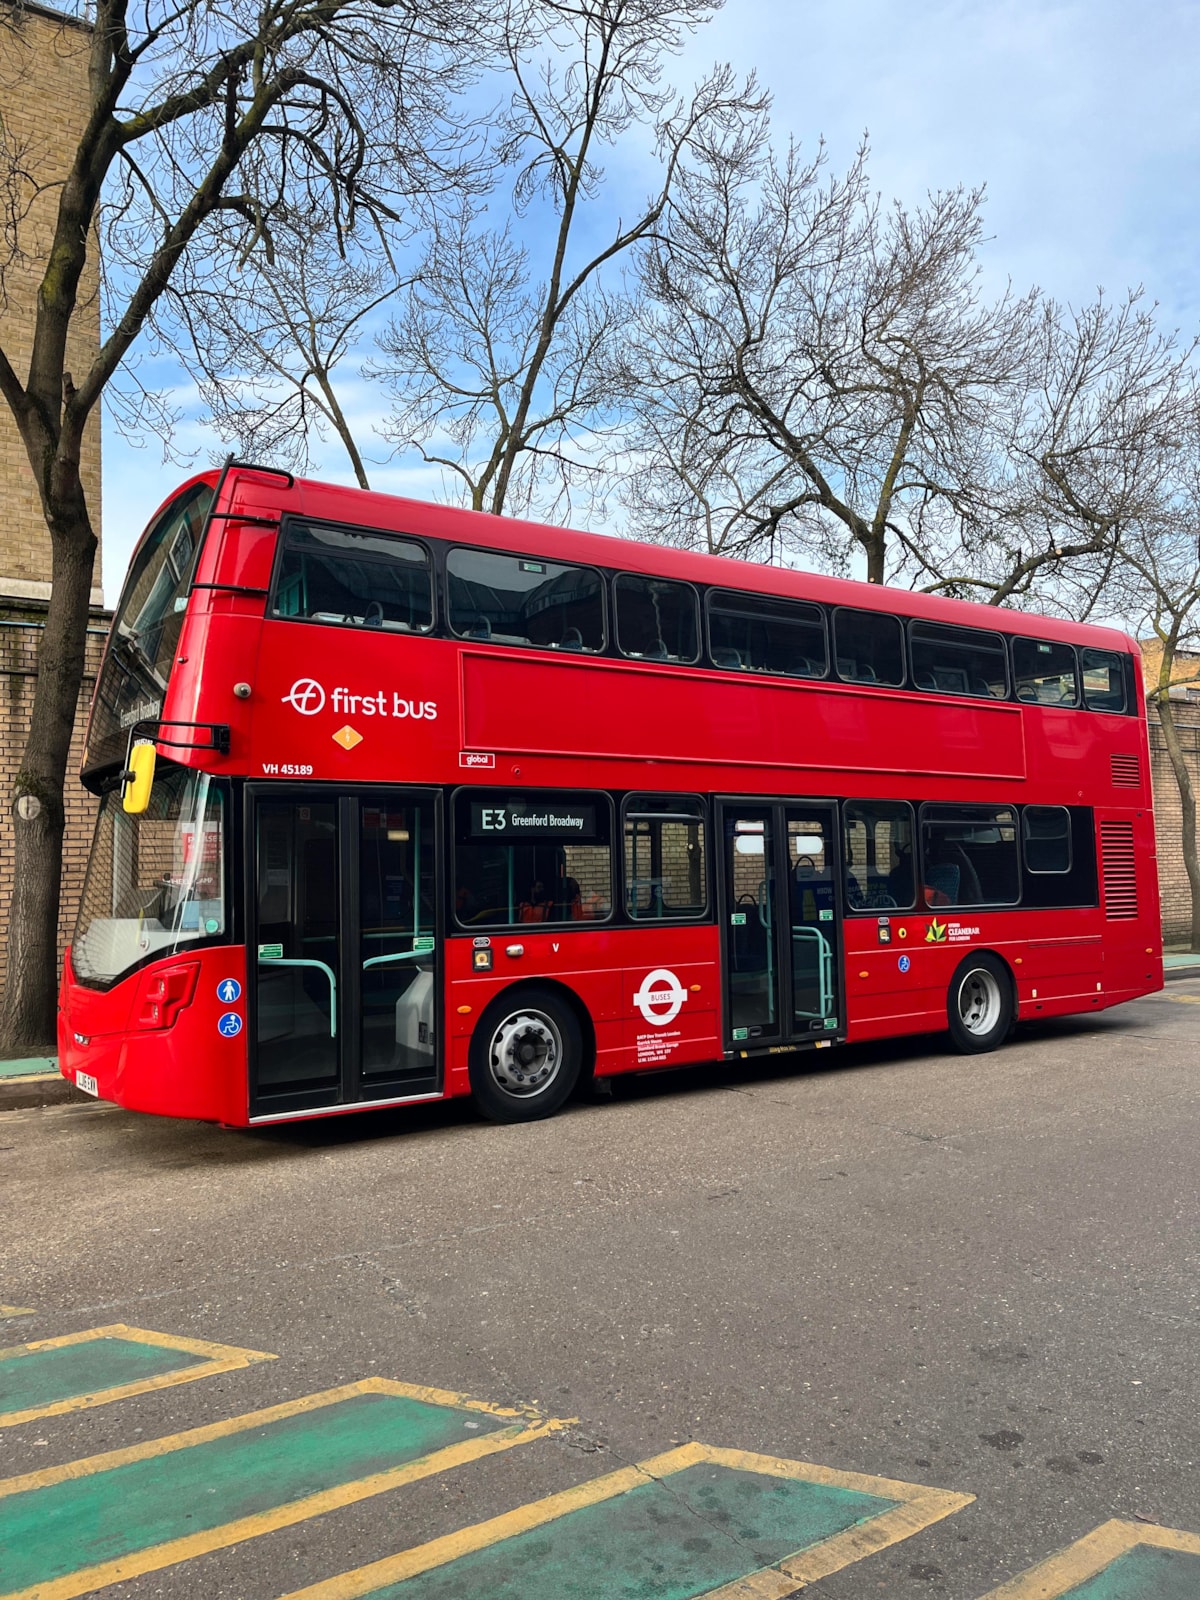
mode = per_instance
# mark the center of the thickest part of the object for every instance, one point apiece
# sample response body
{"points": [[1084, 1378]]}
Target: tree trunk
{"points": [[1187, 804], [38, 812], [344, 432], [876, 550]]}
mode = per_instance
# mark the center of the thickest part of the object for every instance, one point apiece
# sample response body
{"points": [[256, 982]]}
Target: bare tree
{"points": [[812, 367], [500, 356], [1155, 585], [1082, 457], [196, 115], [271, 343]]}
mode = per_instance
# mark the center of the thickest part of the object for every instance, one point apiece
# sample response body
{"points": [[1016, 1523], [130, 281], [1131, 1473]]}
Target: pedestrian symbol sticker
{"points": [[904, 963], [229, 990], [230, 1025]]}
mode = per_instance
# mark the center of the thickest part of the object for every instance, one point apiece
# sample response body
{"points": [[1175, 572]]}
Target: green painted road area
{"points": [[50, 1376], [1144, 1573], [68, 1530], [32, 1379], [669, 1539], [697, 1521], [1116, 1561]]}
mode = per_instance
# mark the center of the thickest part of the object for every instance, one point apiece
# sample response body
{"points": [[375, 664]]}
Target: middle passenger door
{"points": [[781, 920]]}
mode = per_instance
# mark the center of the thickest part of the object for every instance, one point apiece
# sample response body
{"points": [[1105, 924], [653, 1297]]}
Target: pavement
{"points": [[889, 1321], [34, 1081]]}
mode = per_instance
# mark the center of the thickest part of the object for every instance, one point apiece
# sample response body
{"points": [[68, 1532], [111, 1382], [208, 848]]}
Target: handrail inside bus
{"points": [[301, 961], [397, 955], [824, 965]]}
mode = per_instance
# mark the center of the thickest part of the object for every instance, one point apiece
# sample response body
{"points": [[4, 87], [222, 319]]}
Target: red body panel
{"points": [[188, 1069], [433, 711]]}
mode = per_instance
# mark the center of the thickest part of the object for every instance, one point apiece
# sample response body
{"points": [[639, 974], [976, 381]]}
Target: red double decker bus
{"points": [[446, 804]]}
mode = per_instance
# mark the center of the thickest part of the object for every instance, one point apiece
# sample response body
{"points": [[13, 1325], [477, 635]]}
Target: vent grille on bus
{"points": [[1120, 877], [1126, 772]]}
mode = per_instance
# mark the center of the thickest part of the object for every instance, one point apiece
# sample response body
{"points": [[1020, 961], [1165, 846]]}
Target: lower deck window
{"points": [[879, 855], [531, 857], [665, 871], [969, 856]]}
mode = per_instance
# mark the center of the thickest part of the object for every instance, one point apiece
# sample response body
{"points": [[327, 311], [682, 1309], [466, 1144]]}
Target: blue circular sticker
{"points": [[904, 963], [229, 990], [230, 1025]]}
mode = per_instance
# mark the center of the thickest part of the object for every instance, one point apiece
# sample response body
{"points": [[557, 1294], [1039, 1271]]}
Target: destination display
{"points": [[540, 820]]}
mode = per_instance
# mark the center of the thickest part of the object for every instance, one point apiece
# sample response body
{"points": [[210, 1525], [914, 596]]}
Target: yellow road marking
{"points": [[16, 1311], [920, 1507], [1090, 1555], [523, 1430], [221, 1358], [1180, 999]]}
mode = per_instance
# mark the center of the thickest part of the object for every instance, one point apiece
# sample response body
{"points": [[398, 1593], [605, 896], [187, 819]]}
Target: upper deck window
{"points": [[758, 633], [361, 578], [868, 647], [1045, 673], [525, 600], [958, 660], [657, 620], [1103, 680]]}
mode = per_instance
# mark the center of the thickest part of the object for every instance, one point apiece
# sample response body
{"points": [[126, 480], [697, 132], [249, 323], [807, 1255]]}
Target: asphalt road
{"points": [[980, 1274]]}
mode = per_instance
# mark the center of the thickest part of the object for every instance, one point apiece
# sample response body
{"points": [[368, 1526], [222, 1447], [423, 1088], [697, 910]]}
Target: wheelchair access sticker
{"points": [[230, 1025]]}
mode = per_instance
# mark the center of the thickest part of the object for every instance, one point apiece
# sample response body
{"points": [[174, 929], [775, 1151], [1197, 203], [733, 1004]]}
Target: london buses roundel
{"points": [[660, 997]]}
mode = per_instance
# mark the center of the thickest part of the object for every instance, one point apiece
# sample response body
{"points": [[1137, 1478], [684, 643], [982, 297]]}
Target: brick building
{"points": [[43, 104]]}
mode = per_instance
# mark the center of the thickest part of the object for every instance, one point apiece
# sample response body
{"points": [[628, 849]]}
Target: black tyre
{"points": [[526, 1055], [980, 1003]]}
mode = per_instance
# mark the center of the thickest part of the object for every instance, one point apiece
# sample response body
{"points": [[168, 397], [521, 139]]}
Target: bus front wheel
{"points": [[526, 1055], [980, 1004]]}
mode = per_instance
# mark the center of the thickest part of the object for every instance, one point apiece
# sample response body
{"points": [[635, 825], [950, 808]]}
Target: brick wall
{"points": [[1172, 879], [20, 633], [43, 103]]}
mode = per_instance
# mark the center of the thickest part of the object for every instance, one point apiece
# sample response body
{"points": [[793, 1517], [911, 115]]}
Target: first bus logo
{"points": [[306, 696]]}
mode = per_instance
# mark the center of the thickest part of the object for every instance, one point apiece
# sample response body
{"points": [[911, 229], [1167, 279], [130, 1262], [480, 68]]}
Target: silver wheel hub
{"points": [[979, 1001], [525, 1053]]}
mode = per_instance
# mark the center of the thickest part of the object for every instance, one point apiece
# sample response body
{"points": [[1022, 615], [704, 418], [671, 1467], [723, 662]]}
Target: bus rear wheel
{"points": [[980, 1004], [526, 1055]]}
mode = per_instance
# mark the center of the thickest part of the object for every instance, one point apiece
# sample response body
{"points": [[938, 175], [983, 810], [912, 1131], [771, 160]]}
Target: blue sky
{"points": [[1082, 119]]}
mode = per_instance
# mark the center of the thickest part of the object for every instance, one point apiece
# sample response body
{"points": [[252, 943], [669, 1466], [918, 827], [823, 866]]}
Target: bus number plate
{"points": [[85, 1081]]}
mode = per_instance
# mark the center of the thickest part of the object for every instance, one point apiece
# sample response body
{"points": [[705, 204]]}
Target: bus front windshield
{"points": [[156, 882]]}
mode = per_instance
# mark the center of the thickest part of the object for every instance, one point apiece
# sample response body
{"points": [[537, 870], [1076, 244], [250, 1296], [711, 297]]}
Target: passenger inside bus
{"points": [[952, 880], [537, 907]]}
